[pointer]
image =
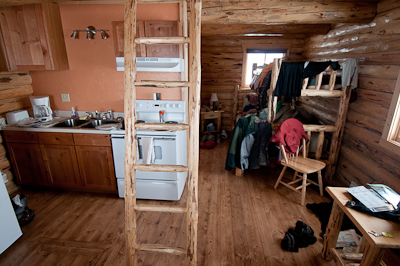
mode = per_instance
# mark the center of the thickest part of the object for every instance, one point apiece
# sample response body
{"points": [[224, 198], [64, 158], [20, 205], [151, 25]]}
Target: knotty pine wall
{"points": [[377, 46], [221, 61], [15, 89]]}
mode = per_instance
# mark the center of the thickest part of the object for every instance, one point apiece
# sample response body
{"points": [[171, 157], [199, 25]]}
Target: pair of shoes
{"points": [[301, 237]]}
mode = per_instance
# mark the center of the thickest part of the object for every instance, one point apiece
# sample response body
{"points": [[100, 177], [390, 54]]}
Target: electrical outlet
{"points": [[65, 97]]}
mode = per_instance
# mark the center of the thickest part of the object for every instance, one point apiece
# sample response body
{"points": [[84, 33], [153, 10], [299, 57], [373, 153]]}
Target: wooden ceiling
{"points": [[263, 17]]}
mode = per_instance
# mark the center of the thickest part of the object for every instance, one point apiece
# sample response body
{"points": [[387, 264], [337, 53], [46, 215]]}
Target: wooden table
{"points": [[215, 115], [374, 247]]}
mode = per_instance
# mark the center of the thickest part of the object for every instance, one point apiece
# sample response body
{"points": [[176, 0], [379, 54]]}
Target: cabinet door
{"points": [[27, 163], [32, 37], [61, 166], [118, 36], [161, 29], [96, 167], [24, 37]]}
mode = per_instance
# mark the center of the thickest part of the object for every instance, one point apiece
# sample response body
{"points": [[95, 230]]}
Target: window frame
{"points": [[271, 47], [390, 136]]}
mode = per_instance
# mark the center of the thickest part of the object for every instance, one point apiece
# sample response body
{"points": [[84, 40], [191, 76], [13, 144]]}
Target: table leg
{"points": [[372, 256], [332, 231]]}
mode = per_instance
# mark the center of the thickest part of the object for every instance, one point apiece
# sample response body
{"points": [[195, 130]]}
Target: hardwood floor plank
{"points": [[242, 221]]}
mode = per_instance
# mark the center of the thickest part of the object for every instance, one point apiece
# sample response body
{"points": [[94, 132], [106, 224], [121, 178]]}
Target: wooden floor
{"points": [[242, 221]]}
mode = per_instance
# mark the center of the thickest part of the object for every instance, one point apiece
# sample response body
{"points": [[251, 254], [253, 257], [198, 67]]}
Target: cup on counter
{"points": [[156, 96]]}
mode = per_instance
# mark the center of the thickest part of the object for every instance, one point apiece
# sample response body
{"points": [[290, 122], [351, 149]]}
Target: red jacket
{"points": [[289, 133]]}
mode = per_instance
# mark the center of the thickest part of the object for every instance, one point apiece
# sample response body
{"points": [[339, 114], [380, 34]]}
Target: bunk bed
{"points": [[332, 89]]}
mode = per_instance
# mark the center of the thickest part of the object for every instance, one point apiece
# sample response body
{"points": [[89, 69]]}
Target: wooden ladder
{"points": [[192, 88]]}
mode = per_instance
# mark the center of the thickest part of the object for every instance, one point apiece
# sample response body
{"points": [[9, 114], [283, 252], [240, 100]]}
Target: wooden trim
{"points": [[192, 217], [130, 131], [321, 93], [235, 105], [162, 84], [159, 208], [161, 248], [162, 40], [161, 168], [391, 130], [158, 126]]}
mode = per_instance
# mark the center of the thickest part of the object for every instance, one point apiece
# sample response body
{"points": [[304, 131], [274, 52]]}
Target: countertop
{"points": [[57, 129]]}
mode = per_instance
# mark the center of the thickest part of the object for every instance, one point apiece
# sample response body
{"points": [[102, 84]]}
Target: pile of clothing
{"points": [[302, 236]]}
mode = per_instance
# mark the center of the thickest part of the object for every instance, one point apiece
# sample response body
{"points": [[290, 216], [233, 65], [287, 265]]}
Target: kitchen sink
{"points": [[71, 123], [95, 123]]}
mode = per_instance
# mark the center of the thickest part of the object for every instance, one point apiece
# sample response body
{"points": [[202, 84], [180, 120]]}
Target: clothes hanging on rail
{"points": [[350, 73], [257, 157], [289, 134], [263, 91], [314, 68], [290, 79], [245, 149]]}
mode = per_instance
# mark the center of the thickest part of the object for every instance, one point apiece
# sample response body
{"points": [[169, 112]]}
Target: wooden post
{"points": [[194, 114], [320, 145], [332, 231], [130, 131], [235, 105], [338, 134], [274, 78]]}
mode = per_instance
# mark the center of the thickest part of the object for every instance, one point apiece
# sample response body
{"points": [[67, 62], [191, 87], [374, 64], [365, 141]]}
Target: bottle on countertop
{"points": [[73, 113]]}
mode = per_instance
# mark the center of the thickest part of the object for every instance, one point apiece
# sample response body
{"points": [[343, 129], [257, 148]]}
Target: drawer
{"points": [[211, 115], [20, 136], [55, 138], [92, 140]]}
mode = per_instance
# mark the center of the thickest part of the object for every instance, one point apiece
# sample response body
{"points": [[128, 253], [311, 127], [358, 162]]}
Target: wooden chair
{"points": [[300, 165]]}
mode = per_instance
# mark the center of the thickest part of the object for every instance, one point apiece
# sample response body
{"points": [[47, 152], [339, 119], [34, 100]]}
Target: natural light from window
{"points": [[261, 59]]}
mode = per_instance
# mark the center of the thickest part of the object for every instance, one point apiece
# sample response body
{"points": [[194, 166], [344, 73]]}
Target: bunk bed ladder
{"points": [[191, 90]]}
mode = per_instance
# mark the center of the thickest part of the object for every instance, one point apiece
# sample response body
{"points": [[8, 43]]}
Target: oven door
{"points": [[165, 151]]}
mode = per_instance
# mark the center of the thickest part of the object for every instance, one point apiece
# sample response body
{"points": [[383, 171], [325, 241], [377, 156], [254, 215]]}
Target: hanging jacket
{"points": [[289, 134]]}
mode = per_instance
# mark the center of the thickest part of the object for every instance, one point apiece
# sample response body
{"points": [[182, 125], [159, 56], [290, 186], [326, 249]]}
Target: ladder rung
{"points": [[161, 126], [161, 168], [162, 40], [162, 84], [161, 248], [159, 208]]}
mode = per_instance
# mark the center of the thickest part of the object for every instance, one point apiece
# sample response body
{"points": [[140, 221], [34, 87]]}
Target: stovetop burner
{"points": [[171, 122]]}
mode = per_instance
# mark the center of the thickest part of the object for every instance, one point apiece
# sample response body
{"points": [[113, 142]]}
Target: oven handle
{"points": [[160, 138], [118, 136]]}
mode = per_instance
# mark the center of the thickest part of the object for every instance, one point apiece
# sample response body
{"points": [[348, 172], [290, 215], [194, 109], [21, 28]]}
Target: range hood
{"points": [[154, 64]]}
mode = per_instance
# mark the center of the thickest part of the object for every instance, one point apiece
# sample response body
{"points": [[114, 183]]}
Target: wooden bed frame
{"points": [[310, 90]]}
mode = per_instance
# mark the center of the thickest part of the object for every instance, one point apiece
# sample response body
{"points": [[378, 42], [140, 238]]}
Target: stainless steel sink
{"points": [[71, 123], [95, 123]]}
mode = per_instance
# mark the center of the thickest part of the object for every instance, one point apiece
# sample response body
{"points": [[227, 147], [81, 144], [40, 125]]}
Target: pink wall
{"points": [[92, 81]]}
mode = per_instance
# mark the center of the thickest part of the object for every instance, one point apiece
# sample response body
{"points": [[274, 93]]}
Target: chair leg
{"points": [[321, 187], [303, 190], [280, 177], [295, 175]]}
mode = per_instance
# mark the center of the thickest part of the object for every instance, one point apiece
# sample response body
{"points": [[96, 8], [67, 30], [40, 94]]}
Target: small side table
{"points": [[214, 115], [374, 247]]}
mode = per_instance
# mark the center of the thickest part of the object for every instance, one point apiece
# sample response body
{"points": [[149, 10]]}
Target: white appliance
{"points": [[15, 116], [41, 108], [154, 64], [169, 148], [9, 227]]}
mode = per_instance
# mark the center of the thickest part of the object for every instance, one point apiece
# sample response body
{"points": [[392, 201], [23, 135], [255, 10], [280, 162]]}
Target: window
{"points": [[255, 57], [391, 133]]}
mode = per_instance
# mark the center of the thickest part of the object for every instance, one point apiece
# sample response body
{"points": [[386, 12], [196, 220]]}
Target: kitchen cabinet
{"points": [[95, 161], [148, 29], [32, 38], [59, 158], [63, 160], [26, 159]]}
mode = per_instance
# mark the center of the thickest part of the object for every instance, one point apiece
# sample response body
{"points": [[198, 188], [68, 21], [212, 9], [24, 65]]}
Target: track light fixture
{"points": [[90, 32]]}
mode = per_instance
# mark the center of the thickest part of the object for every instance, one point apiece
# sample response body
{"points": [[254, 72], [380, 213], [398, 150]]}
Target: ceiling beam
{"points": [[258, 29], [310, 12]]}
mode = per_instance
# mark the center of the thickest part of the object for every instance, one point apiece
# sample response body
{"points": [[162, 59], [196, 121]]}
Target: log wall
{"points": [[377, 46], [15, 87], [222, 59]]}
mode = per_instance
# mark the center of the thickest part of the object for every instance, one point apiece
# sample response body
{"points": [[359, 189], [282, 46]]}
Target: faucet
{"points": [[96, 114], [104, 116], [110, 114], [89, 115]]}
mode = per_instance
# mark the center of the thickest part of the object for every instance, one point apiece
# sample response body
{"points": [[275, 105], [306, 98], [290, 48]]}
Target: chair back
{"points": [[304, 151]]}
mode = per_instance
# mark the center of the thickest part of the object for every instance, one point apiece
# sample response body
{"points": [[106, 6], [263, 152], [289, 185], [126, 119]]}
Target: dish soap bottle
{"points": [[73, 112]]}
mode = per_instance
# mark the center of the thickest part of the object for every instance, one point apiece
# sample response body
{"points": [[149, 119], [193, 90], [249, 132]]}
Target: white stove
{"points": [[169, 149]]}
